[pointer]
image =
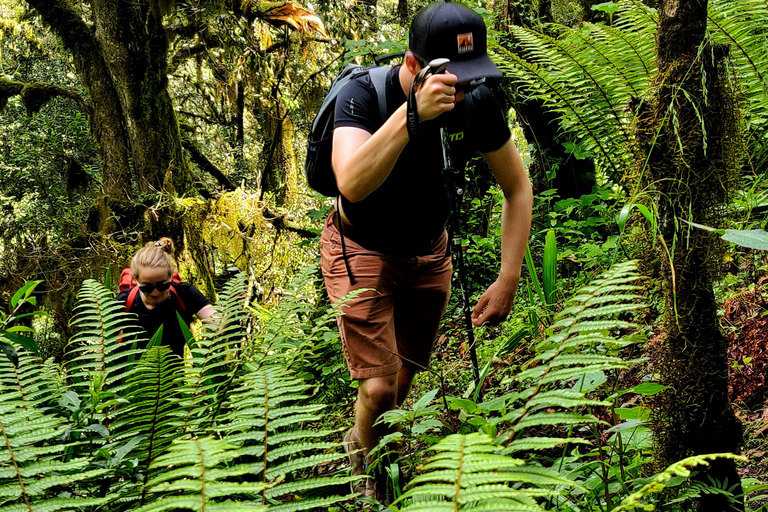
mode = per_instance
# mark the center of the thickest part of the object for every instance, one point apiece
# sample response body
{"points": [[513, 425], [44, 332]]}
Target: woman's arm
{"points": [[206, 313]]}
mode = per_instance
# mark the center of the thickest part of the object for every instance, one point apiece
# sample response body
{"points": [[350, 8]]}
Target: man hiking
{"points": [[387, 232]]}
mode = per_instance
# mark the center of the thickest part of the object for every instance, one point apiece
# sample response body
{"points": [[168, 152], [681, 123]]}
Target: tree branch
{"points": [[282, 222], [35, 95], [206, 165]]}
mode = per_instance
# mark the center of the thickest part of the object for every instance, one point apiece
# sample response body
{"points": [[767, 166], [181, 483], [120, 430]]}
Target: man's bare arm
{"points": [[507, 166], [362, 161]]}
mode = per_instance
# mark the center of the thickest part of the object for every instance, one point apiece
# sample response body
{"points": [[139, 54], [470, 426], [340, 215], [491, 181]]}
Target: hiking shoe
{"points": [[357, 464]]}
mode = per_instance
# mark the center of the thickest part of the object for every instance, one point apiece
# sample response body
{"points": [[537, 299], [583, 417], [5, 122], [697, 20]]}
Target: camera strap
{"points": [[452, 179], [412, 114]]}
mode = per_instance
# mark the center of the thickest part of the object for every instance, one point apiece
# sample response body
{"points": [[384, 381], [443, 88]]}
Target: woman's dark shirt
{"points": [[165, 314]]}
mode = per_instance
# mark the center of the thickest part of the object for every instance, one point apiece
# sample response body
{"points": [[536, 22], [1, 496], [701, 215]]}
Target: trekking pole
{"points": [[455, 191]]}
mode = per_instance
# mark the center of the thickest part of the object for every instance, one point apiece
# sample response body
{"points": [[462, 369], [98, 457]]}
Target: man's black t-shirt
{"points": [[165, 314], [410, 208]]}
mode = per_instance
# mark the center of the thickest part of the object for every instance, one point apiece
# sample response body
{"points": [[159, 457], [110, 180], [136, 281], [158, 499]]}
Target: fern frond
{"points": [[266, 420], [103, 342], [31, 458], [215, 358], [741, 26], [37, 384], [153, 406], [571, 351], [589, 76], [540, 443], [197, 475], [680, 468], [467, 473]]}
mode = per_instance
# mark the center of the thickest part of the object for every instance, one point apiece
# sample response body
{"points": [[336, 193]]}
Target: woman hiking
{"points": [[156, 295]]}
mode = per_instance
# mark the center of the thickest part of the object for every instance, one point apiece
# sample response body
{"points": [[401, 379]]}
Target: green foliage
{"points": [[303, 336], [595, 76], [194, 478], [548, 406], [750, 238], [741, 26], [659, 482], [140, 430], [588, 75], [466, 474], [10, 333]]}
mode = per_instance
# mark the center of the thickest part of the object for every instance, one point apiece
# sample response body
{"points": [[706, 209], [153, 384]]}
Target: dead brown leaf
{"points": [[297, 17]]}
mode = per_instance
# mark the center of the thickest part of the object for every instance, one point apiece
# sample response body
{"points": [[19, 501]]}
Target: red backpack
{"points": [[127, 282]]}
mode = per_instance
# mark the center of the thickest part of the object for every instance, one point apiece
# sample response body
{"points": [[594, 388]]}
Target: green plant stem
{"points": [[448, 414], [603, 468]]}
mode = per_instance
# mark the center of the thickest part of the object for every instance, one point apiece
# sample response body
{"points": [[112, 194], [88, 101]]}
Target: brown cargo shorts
{"points": [[393, 324]]}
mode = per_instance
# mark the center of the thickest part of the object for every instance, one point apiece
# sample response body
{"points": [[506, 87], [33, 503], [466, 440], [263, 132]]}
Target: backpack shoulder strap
{"points": [[378, 76], [181, 302], [131, 297]]}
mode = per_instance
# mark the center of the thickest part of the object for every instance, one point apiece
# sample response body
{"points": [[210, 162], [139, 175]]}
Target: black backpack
{"points": [[317, 166]]}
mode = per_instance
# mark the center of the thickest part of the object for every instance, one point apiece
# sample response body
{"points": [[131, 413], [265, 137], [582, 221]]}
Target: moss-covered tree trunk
{"points": [[689, 147], [120, 56]]}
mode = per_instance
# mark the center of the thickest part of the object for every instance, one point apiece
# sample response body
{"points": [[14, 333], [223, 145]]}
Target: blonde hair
{"points": [[157, 254]]}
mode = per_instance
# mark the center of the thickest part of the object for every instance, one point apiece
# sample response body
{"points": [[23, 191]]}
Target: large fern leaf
{"points": [[197, 475], [466, 473], [589, 76], [37, 383], [269, 421], [476, 472], [33, 473], [579, 343], [103, 343], [216, 358], [152, 413]]}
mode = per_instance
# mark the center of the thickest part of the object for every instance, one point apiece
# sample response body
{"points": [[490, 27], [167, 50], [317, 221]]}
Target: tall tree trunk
{"points": [[552, 167], [122, 63], [571, 177], [135, 48], [688, 132], [106, 121], [402, 12]]}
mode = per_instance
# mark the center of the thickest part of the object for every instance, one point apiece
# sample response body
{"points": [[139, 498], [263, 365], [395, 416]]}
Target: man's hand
{"points": [[495, 304], [436, 95]]}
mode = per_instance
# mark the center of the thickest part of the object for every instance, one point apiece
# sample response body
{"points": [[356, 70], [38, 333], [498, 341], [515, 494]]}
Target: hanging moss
{"points": [[7, 90]]}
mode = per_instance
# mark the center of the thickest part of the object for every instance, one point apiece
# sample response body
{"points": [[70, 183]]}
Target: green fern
{"points": [[466, 473], [576, 346], [268, 422], [478, 471], [152, 411], [38, 384], [33, 474], [103, 344], [589, 76], [741, 26], [216, 360], [679, 469], [197, 475]]}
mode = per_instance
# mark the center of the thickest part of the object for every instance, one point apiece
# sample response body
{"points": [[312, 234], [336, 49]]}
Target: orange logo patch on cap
{"points": [[466, 43]]}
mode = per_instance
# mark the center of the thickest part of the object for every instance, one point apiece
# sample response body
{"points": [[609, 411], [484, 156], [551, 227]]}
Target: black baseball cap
{"points": [[451, 31]]}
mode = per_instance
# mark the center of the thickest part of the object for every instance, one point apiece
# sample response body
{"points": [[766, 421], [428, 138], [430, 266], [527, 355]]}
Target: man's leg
{"points": [[375, 396]]}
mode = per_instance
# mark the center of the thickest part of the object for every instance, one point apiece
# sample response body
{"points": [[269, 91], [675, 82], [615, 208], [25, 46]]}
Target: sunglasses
{"points": [[149, 288]]}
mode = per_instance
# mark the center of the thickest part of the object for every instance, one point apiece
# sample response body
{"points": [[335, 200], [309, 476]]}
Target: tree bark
{"points": [[135, 49], [688, 133], [106, 123]]}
